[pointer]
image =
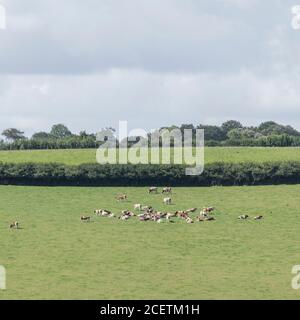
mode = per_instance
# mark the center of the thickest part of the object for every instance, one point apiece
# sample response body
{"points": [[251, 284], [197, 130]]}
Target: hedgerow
{"points": [[50, 174]]}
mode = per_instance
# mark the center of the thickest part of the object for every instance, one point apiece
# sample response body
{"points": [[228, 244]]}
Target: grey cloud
{"points": [[91, 63], [159, 36]]}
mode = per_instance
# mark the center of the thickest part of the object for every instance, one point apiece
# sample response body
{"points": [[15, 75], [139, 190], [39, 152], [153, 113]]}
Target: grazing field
{"points": [[212, 154], [55, 256]]}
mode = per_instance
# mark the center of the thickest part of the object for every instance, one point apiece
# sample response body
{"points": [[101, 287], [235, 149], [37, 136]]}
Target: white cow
{"points": [[137, 206], [125, 217], [102, 212], [189, 220], [167, 200]]}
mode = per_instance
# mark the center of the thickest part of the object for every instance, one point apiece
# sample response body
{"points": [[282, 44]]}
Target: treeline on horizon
{"points": [[230, 133]]}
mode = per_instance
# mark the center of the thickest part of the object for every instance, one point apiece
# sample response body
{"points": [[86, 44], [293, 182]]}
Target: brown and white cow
{"points": [[191, 210], [124, 217], [181, 214], [147, 208], [209, 219], [121, 197], [153, 190], [98, 212], [208, 209], [167, 190], [170, 215], [258, 217], [111, 215], [14, 225], [205, 217], [85, 219], [102, 212]]}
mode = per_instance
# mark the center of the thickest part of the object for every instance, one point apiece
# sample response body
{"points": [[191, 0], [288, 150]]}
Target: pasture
{"points": [[212, 154], [55, 256]]}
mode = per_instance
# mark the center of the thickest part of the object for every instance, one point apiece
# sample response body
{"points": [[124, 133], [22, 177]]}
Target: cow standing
{"points": [[137, 206], [153, 190], [14, 225], [167, 200], [121, 197], [167, 190]]}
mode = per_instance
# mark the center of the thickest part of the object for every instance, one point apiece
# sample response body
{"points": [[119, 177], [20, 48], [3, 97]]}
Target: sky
{"points": [[89, 64]]}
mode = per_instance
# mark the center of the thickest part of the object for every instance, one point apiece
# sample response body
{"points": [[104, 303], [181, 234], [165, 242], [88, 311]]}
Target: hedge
{"points": [[77, 142], [53, 174]]}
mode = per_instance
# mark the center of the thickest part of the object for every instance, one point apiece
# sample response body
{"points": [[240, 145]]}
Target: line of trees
{"points": [[60, 137], [225, 174], [230, 133], [233, 133]]}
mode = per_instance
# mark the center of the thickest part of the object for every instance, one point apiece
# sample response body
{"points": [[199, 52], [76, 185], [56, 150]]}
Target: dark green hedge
{"points": [[145, 175]]}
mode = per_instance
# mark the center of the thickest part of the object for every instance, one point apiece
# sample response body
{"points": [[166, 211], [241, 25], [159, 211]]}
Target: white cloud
{"points": [[147, 100]]}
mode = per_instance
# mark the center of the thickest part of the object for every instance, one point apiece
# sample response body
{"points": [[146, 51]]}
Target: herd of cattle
{"points": [[148, 213]]}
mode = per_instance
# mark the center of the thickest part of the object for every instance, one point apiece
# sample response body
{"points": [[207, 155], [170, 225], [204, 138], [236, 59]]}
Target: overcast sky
{"points": [[91, 63]]}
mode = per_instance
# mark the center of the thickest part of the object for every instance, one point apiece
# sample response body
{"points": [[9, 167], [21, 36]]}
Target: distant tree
{"points": [[230, 125], [243, 133], [291, 131], [266, 125], [13, 134], [41, 135], [60, 131], [213, 132], [272, 128], [83, 134], [170, 128], [187, 126]]}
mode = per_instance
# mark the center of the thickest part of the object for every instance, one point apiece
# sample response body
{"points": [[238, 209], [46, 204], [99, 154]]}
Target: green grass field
{"points": [[212, 154], [55, 256]]}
